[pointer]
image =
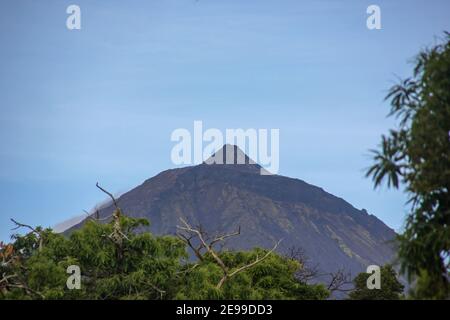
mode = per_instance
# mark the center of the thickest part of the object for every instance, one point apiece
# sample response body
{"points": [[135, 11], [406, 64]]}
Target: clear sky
{"points": [[100, 103]]}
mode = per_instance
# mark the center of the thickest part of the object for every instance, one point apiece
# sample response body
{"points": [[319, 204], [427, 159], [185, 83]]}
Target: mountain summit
{"points": [[234, 156], [222, 197], [230, 154]]}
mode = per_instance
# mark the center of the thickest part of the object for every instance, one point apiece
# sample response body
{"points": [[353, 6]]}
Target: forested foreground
{"points": [[116, 262]]}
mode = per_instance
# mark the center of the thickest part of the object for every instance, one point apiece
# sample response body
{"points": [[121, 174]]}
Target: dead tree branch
{"points": [[224, 237], [191, 233], [109, 194], [5, 284], [27, 289], [258, 260], [117, 236], [187, 239], [307, 271], [339, 281], [161, 292], [33, 230]]}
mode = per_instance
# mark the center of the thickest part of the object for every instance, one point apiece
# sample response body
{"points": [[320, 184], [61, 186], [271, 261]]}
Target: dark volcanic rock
{"points": [[222, 197]]}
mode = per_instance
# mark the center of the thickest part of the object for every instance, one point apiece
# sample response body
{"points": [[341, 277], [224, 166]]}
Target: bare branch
{"points": [[307, 271], [188, 270], [4, 284], [26, 288], [117, 236], [7, 277], [207, 246], [22, 225], [161, 292], [109, 194], [33, 230], [340, 280], [223, 237], [204, 244], [258, 260], [187, 240]]}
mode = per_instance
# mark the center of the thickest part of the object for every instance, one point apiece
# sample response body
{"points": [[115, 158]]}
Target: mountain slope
{"points": [[222, 197]]}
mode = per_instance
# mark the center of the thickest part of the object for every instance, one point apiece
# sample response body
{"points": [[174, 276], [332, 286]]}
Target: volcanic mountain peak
{"points": [[229, 154], [220, 198], [233, 157]]}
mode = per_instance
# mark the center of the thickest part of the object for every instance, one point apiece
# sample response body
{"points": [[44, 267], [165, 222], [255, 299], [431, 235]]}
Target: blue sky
{"points": [[100, 103]]}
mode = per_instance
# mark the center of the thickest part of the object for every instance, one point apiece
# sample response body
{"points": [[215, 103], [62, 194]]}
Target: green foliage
{"points": [[272, 278], [142, 268], [139, 266], [426, 288], [391, 288], [417, 154]]}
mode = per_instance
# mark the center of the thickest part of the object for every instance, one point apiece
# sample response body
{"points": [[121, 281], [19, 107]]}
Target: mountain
{"points": [[221, 197], [66, 224]]}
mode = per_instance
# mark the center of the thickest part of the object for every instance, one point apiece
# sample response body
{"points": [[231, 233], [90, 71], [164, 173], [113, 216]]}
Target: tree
{"points": [[271, 278], [256, 274], [391, 288], [416, 155], [116, 262], [142, 268], [191, 234], [339, 281]]}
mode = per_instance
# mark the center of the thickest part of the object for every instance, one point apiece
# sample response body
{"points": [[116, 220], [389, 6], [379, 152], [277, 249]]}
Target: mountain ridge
{"points": [[221, 197]]}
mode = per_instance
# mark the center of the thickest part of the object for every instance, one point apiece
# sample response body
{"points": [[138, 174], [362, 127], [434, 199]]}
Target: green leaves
{"points": [[417, 155], [390, 289], [387, 162], [272, 278], [150, 268]]}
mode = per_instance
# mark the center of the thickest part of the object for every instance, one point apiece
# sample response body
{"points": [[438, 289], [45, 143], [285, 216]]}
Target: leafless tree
{"points": [[117, 236], [337, 281], [187, 234], [307, 271]]}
